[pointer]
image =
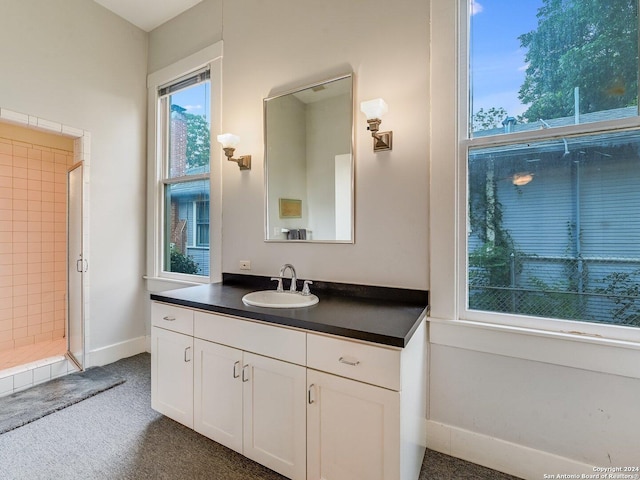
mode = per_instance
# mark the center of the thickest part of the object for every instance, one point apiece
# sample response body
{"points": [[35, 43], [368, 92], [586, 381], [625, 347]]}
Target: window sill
{"points": [[617, 357], [160, 284]]}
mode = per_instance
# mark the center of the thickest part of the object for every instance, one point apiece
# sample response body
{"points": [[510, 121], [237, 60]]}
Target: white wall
{"points": [[585, 416], [271, 47], [74, 62], [287, 152], [327, 123], [197, 28]]}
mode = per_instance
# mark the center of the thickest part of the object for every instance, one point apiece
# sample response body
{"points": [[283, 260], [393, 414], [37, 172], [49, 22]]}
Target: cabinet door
{"points": [[218, 393], [172, 375], [353, 430], [275, 414]]}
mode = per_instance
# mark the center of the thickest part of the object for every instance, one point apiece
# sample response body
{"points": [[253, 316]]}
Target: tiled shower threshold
{"points": [[24, 367]]}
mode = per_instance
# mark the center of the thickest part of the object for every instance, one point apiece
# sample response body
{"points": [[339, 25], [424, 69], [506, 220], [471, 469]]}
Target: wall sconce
{"points": [[229, 143], [374, 110]]}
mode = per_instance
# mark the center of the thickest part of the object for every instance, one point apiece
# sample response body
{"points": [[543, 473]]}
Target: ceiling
{"points": [[147, 14]]}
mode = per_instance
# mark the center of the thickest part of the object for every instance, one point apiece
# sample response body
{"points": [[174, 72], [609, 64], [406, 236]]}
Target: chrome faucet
{"points": [[294, 278]]}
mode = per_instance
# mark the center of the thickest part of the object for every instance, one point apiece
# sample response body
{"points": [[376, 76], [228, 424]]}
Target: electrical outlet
{"points": [[245, 265]]}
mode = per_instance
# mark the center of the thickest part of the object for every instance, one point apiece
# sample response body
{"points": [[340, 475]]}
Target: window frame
{"points": [[210, 57], [465, 142]]}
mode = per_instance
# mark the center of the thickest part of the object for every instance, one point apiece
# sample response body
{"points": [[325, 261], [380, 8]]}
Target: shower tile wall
{"points": [[33, 185]]}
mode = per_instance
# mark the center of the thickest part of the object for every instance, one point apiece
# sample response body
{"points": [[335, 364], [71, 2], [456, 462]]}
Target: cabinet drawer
{"points": [[261, 338], [172, 318], [364, 362]]}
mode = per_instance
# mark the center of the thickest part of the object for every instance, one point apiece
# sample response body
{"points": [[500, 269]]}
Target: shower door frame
{"points": [[76, 264]]}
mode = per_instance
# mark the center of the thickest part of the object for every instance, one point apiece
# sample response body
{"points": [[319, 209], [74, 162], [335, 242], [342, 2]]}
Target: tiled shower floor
{"points": [[32, 353]]}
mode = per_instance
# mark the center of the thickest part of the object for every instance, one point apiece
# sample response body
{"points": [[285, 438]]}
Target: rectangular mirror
{"points": [[309, 163]]}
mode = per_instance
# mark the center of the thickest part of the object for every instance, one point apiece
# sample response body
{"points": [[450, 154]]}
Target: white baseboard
{"points": [[507, 457], [112, 353]]}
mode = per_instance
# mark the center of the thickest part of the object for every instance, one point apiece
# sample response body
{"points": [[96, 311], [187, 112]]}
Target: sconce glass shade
{"points": [[374, 108], [229, 140]]}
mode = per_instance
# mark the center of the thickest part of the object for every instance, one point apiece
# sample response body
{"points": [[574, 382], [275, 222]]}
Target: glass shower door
{"points": [[76, 266]]}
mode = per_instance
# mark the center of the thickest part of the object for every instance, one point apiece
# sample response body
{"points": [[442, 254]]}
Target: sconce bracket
{"points": [[382, 141], [244, 162]]}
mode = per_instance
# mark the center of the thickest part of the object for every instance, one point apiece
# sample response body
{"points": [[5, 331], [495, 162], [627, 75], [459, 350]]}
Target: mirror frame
{"points": [[349, 76]]}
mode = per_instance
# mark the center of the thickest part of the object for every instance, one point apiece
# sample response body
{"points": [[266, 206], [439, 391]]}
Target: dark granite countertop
{"points": [[388, 316]]}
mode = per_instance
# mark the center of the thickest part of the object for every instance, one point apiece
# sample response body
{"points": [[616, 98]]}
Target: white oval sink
{"points": [[275, 299]]}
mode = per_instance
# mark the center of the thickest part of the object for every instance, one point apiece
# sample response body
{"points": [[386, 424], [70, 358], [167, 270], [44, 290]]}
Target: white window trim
{"points": [[211, 56], [448, 256]]}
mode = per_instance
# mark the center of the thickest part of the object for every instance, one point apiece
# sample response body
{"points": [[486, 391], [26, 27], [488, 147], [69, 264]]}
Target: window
{"points": [[184, 173], [552, 161], [185, 129]]}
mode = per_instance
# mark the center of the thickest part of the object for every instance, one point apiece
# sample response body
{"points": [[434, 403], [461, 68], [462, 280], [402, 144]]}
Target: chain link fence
{"points": [[592, 289]]}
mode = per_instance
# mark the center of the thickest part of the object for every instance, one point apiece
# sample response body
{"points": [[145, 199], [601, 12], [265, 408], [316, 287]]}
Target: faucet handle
{"points": [[279, 279], [305, 287]]}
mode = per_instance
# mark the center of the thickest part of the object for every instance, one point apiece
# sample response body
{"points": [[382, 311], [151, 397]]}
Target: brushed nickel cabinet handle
{"points": [[353, 363], [186, 358], [236, 374], [310, 400], [245, 375], [169, 319]]}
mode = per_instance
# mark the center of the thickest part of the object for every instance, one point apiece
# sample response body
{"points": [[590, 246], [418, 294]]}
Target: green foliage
{"points": [[623, 288], [198, 140], [181, 263], [558, 300], [590, 44], [492, 264], [490, 271], [486, 120], [485, 211]]}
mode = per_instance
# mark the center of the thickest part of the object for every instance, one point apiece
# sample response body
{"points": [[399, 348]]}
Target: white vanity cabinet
{"points": [[353, 430], [307, 405], [218, 393], [366, 409], [172, 362], [247, 401]]}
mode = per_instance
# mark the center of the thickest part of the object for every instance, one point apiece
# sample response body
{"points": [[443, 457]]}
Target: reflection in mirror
{"points": [[309, 163]]}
